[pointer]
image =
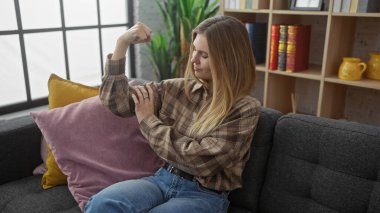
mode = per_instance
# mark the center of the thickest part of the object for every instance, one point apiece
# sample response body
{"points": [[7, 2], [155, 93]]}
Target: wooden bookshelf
{"points": [[261, 68], [318, 91]]}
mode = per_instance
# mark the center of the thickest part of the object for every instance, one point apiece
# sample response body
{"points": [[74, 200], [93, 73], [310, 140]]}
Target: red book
{"points": [[297, 50], [273, 51]]}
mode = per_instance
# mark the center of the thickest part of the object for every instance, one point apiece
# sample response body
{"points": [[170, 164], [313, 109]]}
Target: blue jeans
{"points": [[164, 192]]}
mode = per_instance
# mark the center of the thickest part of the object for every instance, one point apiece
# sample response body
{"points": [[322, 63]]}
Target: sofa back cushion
{"points": [[19, 148], [322, 165], [246, 198]]}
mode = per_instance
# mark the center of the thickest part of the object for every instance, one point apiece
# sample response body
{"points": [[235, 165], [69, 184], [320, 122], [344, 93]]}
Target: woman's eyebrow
{"points": [[202, 51]]}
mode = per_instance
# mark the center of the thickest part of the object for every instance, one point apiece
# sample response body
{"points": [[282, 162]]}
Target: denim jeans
{"points": [[164, 192]]}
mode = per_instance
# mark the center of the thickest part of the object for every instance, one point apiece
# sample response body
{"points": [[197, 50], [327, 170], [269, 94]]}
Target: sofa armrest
{"points": [[20, 140]]}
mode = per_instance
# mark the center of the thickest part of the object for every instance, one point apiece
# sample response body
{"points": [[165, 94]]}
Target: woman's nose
{"points": [[195, 58]]}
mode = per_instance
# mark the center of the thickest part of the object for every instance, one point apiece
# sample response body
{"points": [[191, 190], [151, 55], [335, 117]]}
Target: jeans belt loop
{"points": [[170, 169]]}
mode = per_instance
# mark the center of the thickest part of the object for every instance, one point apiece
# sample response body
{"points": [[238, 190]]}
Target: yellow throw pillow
{"points": [[61, 93]]}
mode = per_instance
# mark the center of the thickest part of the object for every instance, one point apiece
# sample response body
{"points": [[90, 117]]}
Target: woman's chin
{"points": [[199, 73], [202, 75]]}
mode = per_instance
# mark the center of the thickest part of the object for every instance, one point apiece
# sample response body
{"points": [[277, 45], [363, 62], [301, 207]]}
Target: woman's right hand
{"points": [[138, 33]]}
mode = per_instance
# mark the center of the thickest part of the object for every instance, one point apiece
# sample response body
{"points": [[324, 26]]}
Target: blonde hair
{"points": [[232, 67]]}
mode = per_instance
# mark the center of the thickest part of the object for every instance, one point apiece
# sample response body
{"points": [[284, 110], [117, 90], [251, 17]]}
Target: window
{"points": [[70, 38]]}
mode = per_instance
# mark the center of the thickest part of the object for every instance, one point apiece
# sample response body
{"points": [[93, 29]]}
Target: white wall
{"points": [[147, 12]]}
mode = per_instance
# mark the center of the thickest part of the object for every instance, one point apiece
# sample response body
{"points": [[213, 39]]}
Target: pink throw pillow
{"points": [[94, 147]]}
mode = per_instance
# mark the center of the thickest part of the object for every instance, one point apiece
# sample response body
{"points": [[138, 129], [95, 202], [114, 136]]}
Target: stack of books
{"points": [[258, 36], [356, 6], [242, 4], [289, 47]]}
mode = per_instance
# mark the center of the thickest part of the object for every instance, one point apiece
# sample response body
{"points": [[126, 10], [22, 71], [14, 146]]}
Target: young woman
{"points": [[201, 125]]}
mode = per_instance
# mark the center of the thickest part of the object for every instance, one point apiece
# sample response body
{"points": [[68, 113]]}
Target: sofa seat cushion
{"points": [[322, 165], [27, 195]]}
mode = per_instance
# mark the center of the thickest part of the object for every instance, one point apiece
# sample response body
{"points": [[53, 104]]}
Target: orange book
{"points": [[297, 49], [273, 51]]}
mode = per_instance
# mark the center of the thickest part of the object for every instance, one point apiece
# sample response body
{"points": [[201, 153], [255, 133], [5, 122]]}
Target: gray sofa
{"points": [[298, 163]]}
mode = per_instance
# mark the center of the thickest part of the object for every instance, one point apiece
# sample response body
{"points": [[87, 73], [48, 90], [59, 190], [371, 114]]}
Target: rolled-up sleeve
{"points": [[115, 90]]}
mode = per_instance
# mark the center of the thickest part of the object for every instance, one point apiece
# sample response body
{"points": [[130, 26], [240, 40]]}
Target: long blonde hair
{"points": [[232, 67]]}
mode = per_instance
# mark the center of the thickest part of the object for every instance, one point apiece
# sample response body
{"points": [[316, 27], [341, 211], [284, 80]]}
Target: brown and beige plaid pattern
{"points": [[216, 160]]}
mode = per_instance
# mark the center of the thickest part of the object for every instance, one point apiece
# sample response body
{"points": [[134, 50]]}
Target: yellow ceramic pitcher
{"points": [[373, 71], [351, 69]]}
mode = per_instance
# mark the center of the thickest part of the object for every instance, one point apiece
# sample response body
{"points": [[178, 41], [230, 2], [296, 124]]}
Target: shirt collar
{"points": [[200, 86], [196, 87]]}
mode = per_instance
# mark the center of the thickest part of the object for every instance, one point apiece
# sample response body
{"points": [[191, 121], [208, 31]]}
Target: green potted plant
{"points": [[169, 51], [161, 56]]}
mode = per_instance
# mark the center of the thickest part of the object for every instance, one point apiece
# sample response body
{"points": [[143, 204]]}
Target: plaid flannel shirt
{"points": [[216, 160]]}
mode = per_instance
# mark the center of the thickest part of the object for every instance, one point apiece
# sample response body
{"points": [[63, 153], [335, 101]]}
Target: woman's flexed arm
{"points": [[139, 33], [115, 90]]}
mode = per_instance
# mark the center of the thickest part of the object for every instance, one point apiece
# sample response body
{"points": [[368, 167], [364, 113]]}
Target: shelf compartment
{"points": [[281, 88], [351, 37], [332, 104], [362, 105], [249, 17], [317, 36], [246, 11], [313, 73], [365, 83], [261, 68], [304, 13], [375, 15], [258, 5], [258, 91], [285, 5], [351, 103], [280, 5]]}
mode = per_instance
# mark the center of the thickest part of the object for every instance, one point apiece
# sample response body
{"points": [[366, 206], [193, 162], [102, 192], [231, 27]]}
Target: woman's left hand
{"points": [[144, 101]]}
